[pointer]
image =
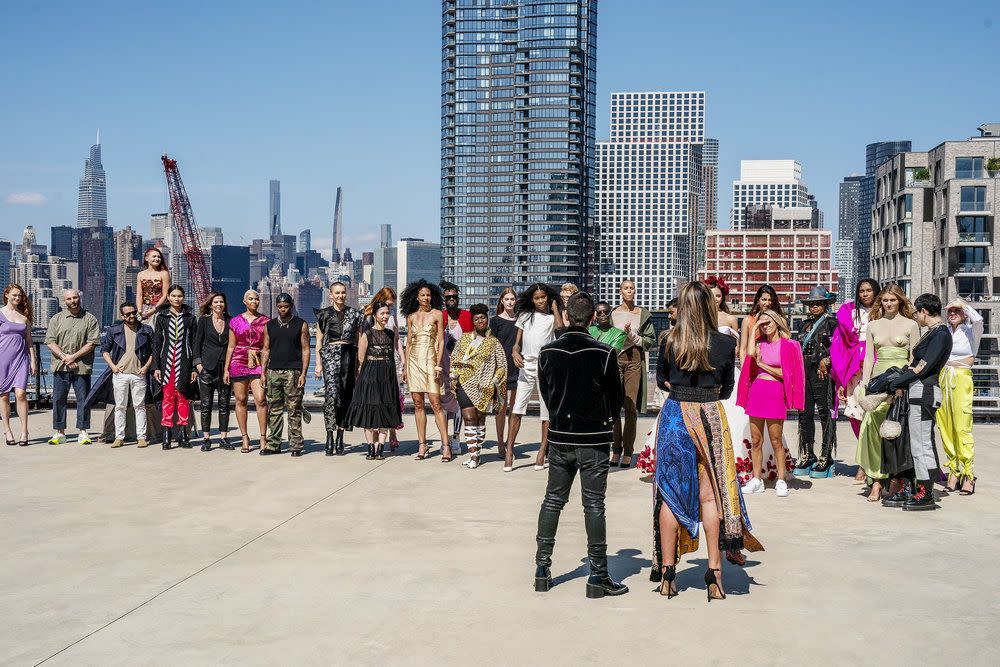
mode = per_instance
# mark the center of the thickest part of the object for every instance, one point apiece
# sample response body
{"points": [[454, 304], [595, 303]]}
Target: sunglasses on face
{"points": [[130, 313]]}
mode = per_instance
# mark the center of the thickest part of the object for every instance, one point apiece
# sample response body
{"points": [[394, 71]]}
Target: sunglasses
{"points": [[130, 313]]}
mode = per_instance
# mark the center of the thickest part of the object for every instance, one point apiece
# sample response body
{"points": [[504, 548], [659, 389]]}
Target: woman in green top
{"points": [[603, 330]]}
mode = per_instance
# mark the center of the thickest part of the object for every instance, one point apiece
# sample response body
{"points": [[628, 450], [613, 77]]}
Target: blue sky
{"points": [[320, 94]]}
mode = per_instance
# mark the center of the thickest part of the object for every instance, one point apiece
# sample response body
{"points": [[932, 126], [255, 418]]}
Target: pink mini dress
{"points": [[249, 336], [766, 398]]}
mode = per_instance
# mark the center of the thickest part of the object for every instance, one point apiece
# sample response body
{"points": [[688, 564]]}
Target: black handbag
{"points": [[880, 384]]}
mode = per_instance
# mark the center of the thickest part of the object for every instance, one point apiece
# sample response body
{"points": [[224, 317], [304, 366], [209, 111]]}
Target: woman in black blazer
{"points": [[211, 339]]}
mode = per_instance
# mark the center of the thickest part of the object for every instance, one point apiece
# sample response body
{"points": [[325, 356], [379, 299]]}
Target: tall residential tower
{"points": [[92, 203], [274, 202], [518, 120]]}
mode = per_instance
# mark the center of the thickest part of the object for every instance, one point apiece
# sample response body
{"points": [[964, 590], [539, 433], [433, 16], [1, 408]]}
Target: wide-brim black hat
{"points": [[818, 294]]}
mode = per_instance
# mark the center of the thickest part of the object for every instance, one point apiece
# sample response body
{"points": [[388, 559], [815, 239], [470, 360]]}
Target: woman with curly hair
{"points": [[892, 335], [421, 304], [538, 314], [17, 357]]}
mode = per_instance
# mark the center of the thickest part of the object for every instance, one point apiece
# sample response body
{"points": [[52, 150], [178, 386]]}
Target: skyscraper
{"points": [[65, 242], [210, 236], [708, 214], [847, 232], [231, 273], [275, 203], [518, 100], [648, 193], [416, 259], [92, 203], [774, 182], [305, 241], [875, 155], [128, 264], [385, 235], [6, 258], [337, 239], [98, 273], [158, 223]]}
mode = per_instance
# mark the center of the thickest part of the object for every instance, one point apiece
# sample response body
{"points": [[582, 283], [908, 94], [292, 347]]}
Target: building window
{"points": [[973, 198], [907, 207], [968, 167]]}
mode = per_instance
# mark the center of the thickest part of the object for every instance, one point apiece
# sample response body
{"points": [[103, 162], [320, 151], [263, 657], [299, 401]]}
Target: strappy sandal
{"points": [[245, 449], [449, 457], [952, 489], [968, 492], [419, 456], [22, 443], [10, 441]]}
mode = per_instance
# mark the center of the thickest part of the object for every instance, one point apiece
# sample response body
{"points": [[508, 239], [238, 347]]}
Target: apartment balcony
{"points": [[975, 238], [988, 361], [922, 183], [972, 268], [975, 208]]}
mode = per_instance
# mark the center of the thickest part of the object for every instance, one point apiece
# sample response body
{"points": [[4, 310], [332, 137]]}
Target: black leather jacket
{"points": [[582, 388]]}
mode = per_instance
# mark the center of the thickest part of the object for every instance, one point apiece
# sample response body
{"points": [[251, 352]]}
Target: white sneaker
{"points": [[755, 485], [83, 439], [780, 488], [57, 439]]}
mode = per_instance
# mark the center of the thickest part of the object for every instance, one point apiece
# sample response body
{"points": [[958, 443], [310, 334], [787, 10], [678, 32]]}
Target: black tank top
{"points": [[286, 350]]}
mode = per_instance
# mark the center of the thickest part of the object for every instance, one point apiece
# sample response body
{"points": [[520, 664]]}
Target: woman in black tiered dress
{"points": [[375, 403]]}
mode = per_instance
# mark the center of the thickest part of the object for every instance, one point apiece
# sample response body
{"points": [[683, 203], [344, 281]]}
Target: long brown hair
{"points": [[689, 340], [905, 307], [505, 292], [25, 306], [383, 295], [206, 305]]}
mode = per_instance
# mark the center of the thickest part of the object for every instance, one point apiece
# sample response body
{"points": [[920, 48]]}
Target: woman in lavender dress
{"points": [[17, 357]]}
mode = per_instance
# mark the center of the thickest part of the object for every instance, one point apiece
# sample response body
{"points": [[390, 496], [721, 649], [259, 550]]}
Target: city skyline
{"points": [[222, 154]]}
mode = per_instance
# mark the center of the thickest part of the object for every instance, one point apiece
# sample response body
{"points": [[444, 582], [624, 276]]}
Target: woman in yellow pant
{"points": [[954, 417]]}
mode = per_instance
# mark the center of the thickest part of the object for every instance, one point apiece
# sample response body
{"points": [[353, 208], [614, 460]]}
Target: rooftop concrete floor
{"points": [[184, 557]]}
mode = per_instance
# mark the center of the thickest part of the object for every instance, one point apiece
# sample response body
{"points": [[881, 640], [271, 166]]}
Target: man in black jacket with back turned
{"points": [[582, 387]]}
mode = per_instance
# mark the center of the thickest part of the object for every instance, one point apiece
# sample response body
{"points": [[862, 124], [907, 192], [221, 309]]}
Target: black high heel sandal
{"points": [[245, 448], [421, 457], [10, 442], [963, 492], [225, 444], [711, 581], [667, 586], [206, 444]]}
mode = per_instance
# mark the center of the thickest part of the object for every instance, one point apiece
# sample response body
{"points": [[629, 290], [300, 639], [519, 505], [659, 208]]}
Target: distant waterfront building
{"points": [[30, 245], [6, 261], [783, 247], [849, 212], [649, 193], [210, 236], [98, 273], [933, 230], [128, 264], [44, 281], [773, 182], [384, 269], [65, 242], [305, 241], [231, 273], [385, 235], [416, 259], [337, 239], [708, 215], [875, 155], [274, 202], [92, 201], [518, 120]]}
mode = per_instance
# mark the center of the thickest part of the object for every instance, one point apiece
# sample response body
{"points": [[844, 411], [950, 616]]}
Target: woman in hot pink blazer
{"points": [[772, 382]]}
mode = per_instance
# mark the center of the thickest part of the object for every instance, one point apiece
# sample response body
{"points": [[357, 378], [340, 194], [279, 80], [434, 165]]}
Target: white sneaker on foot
{"points": [[780, 488], [83, 439], [57, 439], [755, 485]]}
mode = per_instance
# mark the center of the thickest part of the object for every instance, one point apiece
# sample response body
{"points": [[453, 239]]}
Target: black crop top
{"points": [[722, 356]]}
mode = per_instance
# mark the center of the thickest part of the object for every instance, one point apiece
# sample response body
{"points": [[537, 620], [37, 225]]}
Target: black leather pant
{"points": [[819, 394], [209, 382], [564, 462]]}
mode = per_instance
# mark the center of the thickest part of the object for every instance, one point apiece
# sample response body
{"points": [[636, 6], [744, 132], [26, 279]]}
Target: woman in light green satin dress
{"points": [[892, 334]]}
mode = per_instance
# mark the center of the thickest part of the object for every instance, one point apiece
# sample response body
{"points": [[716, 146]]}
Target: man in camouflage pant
{"points": [[284, 362]]}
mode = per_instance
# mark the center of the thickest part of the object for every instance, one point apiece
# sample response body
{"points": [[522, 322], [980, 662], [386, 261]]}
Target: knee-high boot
{"points": [[167, 436], [329, 443]]}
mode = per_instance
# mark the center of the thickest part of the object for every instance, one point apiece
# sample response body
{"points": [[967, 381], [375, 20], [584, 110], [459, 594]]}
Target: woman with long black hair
{"points": [[502, 326], [211, 340], [421, 303], [173, 364]]}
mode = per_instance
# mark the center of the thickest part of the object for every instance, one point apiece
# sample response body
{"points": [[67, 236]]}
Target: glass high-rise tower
{"points": [[92, 203], [518, 124]]}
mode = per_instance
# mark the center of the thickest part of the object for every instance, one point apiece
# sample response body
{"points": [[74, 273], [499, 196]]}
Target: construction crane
{"points": [[180, 206]]}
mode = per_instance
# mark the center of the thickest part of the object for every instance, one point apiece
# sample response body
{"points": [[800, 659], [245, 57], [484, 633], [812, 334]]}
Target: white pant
{"points": [[527, 383], [123, 384]]}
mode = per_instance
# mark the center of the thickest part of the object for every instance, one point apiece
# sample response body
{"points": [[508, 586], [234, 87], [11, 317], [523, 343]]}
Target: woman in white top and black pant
{"points": [[954, 417]]}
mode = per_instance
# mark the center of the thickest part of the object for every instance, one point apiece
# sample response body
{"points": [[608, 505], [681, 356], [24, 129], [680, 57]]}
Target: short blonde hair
{"points": [[569, 287], [246, 295]]}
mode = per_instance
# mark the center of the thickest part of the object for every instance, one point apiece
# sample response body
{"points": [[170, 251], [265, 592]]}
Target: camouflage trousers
{"points": [[283, 391]]}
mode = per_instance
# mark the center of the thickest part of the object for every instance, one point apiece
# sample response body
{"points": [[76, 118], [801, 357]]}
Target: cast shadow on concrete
{"points": [[735, 580], [622, 565]]}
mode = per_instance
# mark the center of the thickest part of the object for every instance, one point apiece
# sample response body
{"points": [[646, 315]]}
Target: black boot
{"points": [[922, 499], [543, 579], [899, 498], [340, 443], [378, 452], [167, 436], [599, 585], [225, 444], [371, 452], [806, 462], [206, 445], [329, 443], [183, 438]]}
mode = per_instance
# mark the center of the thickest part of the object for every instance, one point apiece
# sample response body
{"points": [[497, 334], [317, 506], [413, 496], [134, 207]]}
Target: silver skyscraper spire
{"points": [[92, 204]]}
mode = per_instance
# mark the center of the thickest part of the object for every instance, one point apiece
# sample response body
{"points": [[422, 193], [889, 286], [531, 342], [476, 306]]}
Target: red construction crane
{"points": [[180, 206]]}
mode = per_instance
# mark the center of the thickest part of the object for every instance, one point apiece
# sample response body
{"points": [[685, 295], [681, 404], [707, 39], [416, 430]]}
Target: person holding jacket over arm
{"points": [[580, 383]]}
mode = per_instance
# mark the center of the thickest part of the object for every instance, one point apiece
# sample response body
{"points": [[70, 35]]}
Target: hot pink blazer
{"points": [[793, 376], [847, 351]]}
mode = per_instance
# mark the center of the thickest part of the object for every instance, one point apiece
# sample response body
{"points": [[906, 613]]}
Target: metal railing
{"points": [[974, 237], [975, 206], [971, 267]]}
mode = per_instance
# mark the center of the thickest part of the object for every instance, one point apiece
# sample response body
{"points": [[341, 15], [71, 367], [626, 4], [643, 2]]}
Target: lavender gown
{"points": [[13, 356]]}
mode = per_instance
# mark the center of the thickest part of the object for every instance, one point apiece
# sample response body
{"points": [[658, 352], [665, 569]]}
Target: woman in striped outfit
{"points": [[173, 356]]}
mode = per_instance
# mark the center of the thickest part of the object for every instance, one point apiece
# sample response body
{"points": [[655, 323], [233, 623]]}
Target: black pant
{"points": [[564, 461], [819, 394], [209, 382]]}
